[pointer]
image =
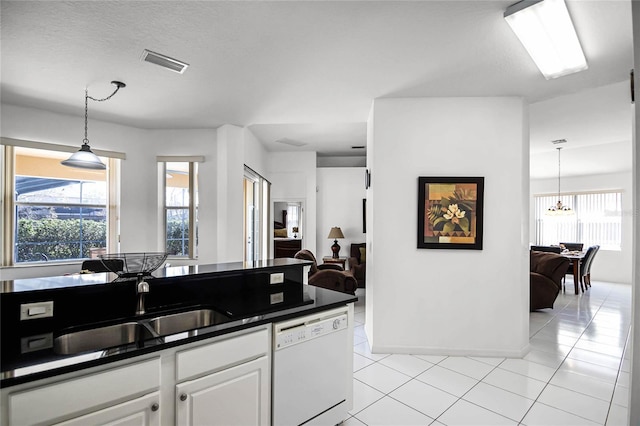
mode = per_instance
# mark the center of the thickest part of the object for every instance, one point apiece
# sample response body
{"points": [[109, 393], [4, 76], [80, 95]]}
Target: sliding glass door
{"points": [[256, 216]]}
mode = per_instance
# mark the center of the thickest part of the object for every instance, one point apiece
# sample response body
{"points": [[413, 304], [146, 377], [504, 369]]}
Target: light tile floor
{"points": [[577, 372]]}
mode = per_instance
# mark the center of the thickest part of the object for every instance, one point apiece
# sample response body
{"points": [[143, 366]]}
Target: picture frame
{"points": [[450, 212]]}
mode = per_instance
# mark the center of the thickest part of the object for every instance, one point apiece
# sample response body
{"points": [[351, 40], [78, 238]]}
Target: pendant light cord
{"points": [[559, 148], [118, 85], [85, 141]]}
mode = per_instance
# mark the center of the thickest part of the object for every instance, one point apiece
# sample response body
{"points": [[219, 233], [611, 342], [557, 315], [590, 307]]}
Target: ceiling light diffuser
{"points": [[545, 29]]}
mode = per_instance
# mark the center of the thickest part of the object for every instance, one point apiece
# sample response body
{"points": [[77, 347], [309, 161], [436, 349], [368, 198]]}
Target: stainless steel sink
{"points": [[185, 321], [101, 338]]}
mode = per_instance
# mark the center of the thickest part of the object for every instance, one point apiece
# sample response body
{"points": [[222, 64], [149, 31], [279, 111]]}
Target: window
{"points": [[597, 220], [180, 207], [56, 213]]}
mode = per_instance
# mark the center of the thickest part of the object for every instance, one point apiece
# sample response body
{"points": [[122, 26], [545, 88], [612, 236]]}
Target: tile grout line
{"points": [[601, 305], [563, 361]]}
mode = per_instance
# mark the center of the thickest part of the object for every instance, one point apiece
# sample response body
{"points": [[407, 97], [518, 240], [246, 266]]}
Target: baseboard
{"points": [[415, 350]]}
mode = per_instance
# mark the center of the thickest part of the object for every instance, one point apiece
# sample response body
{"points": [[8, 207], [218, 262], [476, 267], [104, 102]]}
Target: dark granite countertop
{"points": [[77, 280], [236, 290]]}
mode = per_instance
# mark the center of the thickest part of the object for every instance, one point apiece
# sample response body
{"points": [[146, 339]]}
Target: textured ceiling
{"points": [[293, 71]]}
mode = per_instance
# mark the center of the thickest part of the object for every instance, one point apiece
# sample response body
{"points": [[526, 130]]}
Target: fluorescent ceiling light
{"points": [[545, 29]]}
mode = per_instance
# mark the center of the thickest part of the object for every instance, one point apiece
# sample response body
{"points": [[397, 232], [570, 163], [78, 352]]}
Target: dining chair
{"points": [[586, 266], [571, 247]]}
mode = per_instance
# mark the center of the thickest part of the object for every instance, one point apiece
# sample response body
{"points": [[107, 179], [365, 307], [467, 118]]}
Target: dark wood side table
{"points": [[342, 261]]}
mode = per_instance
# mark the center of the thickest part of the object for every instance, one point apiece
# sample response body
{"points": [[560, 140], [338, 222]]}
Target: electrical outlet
{"points": [[277, 278], [36, 310]]}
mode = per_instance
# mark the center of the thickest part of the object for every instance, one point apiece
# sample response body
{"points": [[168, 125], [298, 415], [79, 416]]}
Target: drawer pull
{"points": [[183, 397], [155, 406]]}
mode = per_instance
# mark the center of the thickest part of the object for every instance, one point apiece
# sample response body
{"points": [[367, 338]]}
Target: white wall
{"points": [[468, 302], [340, 194], [609, 265], [229, 211], [634, 394], [293, 178], [255, 155], [220, 209]]}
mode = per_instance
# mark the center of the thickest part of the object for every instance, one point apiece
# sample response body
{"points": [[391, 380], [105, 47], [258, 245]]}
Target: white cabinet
{"points": [[236, 396], [226, 382], [143, 411], [86, 395]]}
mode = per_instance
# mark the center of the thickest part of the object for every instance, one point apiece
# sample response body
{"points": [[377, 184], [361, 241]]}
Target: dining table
{"points": [[576, 259]]}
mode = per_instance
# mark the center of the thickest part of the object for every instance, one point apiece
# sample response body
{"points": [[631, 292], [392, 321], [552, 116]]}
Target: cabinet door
{"points": [[239, 395], [143, 411]]}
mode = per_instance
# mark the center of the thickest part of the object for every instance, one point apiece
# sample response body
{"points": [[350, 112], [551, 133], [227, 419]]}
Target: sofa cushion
{"points": [[551, 265]]}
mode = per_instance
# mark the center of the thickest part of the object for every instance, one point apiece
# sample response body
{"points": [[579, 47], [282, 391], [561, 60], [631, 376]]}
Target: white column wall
{"points": [[465, 302], [230, 199], [609, 265], [340, 194]]}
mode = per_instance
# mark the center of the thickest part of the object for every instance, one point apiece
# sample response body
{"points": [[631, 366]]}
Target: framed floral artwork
{"points": [[450, 212]]}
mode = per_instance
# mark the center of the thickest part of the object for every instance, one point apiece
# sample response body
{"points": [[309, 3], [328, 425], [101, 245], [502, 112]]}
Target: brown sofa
{"points": [[545, 278], [358, 264], [329, 275]]}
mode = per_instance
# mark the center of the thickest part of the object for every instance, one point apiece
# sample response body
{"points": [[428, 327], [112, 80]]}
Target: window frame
{"points": [[9, 204], [572, 200], [192, 161]]}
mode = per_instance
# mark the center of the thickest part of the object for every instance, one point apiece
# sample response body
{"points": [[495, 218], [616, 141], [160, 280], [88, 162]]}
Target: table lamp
{"points": [[334, 234], [295, 232]]}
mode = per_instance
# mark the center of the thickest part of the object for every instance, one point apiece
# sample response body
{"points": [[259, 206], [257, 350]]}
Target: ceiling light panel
{"points": [[545, 29], [164, 61]]}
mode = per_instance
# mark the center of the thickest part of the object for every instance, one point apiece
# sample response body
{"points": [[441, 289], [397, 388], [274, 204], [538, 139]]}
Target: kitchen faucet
{"points": [[142, 288]]}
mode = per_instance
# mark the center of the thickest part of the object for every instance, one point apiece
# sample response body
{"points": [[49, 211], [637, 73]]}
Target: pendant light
{"points": [[85, 158], [559, 209]]}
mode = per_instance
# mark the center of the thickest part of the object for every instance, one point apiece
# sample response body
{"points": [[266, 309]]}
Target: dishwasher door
{"points": [[311, 368]]}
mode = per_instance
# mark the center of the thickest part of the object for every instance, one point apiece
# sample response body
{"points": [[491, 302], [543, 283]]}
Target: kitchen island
{"points": [[203, 349]]}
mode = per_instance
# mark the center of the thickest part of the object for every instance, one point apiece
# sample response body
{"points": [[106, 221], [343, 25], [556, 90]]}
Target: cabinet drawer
{"points": [[57, 401], [221, 354], [139, 411]]}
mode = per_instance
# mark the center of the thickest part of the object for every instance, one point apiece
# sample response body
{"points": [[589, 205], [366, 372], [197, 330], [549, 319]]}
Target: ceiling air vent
{"points": [[164, 61]]}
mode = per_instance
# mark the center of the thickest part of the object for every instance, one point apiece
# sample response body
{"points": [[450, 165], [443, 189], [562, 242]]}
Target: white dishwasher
{"points": [[312, 375]]}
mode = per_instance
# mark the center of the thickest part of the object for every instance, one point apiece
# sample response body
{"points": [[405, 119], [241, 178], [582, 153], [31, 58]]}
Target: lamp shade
{"points": [[84, 159], [335, 233]]}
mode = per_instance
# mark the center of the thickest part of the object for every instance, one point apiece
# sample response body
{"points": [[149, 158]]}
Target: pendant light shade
{"points": [[85, 158]]}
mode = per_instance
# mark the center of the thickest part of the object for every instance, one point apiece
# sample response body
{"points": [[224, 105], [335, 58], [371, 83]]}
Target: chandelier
{"points": [[559, 209]]}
